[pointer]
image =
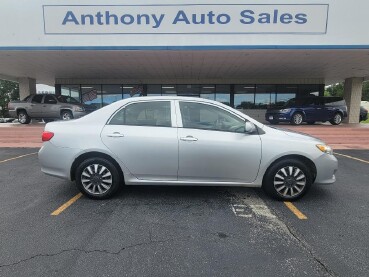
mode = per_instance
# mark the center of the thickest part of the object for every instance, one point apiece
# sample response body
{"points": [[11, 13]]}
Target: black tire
{"points": [[337, 119], [276, 187], [98, 182], [23, 117], [297, 118], [311, 122], [66, 115]]}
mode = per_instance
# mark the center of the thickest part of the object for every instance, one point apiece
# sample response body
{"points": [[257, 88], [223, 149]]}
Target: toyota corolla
{"points": [[182, 141]]}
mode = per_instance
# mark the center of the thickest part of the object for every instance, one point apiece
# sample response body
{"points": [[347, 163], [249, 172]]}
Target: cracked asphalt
{"points": [[180, 231]]}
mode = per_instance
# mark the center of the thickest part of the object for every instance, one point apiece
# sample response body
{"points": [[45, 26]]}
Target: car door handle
{"points": [[115, 135], [188, 138]]}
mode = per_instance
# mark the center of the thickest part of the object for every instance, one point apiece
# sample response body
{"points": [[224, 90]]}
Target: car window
{"points": [[208, 117], [26, 99], [334, 101], [50, 99], [37, 98], [156, 113]]}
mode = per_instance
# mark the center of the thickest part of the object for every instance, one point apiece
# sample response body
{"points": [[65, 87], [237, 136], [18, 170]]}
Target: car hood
{"points": [[296, 135]]}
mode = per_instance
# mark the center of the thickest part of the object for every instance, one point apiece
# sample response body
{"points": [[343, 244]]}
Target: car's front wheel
{"points": [[97, 178], [337, 119], [23, 117], [297, 118], [287, 180]]}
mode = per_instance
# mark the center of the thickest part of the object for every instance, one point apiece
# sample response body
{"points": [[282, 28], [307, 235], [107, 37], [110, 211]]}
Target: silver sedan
{"points": [[182, 141]]}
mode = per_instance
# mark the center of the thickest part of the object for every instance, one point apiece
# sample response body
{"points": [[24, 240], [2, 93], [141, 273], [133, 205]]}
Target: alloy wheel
{"points": [[297, 118], [337, 119], [22, 118], [96, 179], [66, 116], [289, 181]]}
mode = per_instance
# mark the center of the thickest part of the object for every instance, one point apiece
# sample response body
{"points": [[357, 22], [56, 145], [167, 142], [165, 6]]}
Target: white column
{"points": [[27, 86], [352, 94]]}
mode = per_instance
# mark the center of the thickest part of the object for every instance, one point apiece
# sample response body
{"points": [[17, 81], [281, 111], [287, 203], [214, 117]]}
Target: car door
{"points": [[35, 109], [213, 145], [143, 137], [51, 108]]}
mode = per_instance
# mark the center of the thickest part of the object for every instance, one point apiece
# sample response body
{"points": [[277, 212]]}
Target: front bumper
{"points": [[79, 114], [280, 117], [326, 166]]}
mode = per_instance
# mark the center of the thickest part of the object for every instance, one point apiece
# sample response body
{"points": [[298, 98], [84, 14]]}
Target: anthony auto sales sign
{"points": [[186, 19]]}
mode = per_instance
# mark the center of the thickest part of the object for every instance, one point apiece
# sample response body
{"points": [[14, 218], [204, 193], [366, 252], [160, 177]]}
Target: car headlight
{"points": [[285, 110], [325, 148], [79, 109]]}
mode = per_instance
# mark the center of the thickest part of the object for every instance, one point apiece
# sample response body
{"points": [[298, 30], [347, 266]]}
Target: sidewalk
{"points": [[345, 136]]}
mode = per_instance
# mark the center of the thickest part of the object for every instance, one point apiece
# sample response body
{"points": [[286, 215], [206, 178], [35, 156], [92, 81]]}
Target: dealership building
{"points": [[248, 54]]}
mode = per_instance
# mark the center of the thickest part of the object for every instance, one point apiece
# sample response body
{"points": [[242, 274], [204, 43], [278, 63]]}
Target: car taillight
{"points": [[46, 136]]}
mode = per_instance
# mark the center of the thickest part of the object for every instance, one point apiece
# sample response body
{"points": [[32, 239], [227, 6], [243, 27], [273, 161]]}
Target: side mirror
{"points": [[249, 127]]}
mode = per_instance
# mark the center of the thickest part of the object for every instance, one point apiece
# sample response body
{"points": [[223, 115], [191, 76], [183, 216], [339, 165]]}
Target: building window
{"points": [[223, 94], [153, 90], [72, 91], [132, 91], [189, 90], [264, 96], [207, 92], [244, 96], [91, 96], [169, 90], [111, 93], [285, 93]]}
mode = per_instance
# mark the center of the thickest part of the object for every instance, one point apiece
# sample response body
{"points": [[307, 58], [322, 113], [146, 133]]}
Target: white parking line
{"points": [[249, 206]]}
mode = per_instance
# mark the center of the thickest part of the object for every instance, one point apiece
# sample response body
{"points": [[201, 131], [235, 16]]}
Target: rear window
{"points": [[334, 101], [144, 114]]}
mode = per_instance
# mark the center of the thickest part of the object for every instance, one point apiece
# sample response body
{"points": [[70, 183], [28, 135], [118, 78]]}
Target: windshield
{"points": [[290, 103], [66, 99]]}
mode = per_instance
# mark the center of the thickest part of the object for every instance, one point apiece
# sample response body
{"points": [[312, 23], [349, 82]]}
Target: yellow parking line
{"points": [[296, 211], [7, 160], [350, 157], [66, 204]]}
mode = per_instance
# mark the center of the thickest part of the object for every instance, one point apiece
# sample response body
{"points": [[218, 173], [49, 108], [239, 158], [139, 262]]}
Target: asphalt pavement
{"points": [[181, 231]]}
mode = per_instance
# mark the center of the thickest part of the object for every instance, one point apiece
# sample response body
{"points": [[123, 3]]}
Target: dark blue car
{"points": [[310, 110]]}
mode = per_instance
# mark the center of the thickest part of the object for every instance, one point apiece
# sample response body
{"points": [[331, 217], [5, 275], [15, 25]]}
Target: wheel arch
{"points": [[67, 110], [93, 154], [301, 158]]}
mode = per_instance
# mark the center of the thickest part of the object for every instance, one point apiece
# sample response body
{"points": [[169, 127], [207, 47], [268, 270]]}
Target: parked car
{"points": [[363, 113], [46, 107], [182, 141], [310, 110]]}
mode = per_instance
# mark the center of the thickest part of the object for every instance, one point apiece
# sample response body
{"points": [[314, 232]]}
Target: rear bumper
{"points": [[56, 161]]}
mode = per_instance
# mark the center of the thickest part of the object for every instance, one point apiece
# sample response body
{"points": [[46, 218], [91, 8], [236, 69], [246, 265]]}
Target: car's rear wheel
{"points": [[66, 115], [297, 118], [287, 180], [23, 117], [337, 119], [97, 178]]}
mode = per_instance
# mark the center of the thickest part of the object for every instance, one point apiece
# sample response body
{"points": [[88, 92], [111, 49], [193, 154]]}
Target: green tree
{"points": [[365, 96], [337, 90], [8, 91], [334, 90]]}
